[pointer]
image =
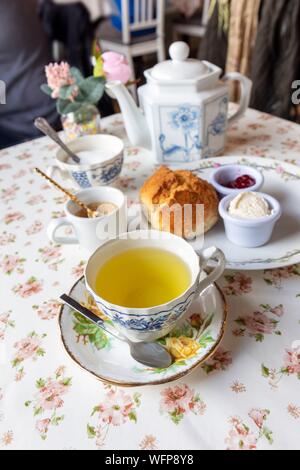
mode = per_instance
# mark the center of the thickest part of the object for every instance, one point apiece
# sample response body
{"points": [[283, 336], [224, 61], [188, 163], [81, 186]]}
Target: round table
{"points": [[250, 389]]}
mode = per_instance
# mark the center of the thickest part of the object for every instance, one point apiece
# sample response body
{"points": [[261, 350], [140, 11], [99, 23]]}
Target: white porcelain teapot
{"points": [[185, 108]]}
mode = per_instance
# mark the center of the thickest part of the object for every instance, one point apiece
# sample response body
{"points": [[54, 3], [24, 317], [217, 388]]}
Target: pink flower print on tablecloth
{"points": [[51, 255], [290, 366], [259, 323], [35, 200], [117, 408], [179, 400], [12, 263], [238, 284], [48, 309], [28, 288], [242, 437], [9, 194], [5, 166], [221, 360], [238, 387], [274, 277], [149, 442], [5, 323], [78, 270], [27, 348], [7, 238], [19, 174], [24, 156], [292, 361], [294, 411], [48, 400], [34, 228], [11, 217], [7, 438]]}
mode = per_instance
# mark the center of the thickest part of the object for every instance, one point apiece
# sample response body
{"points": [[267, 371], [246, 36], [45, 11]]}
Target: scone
{"points": [[166, 189]]}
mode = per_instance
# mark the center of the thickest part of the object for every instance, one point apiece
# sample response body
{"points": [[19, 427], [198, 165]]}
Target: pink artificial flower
{"points": [[292, 360], [115, 67], [58, 75], [258, 416], [27, 347], [259, 323]]}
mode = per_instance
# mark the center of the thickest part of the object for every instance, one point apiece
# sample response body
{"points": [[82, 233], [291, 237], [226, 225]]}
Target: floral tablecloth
{"points": [[246, 397]]}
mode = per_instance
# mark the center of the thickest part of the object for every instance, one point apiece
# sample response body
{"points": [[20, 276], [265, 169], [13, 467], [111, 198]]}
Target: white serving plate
{"points": [[282, 181]]}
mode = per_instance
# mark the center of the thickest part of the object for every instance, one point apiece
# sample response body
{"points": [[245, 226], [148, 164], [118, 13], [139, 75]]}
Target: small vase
{"points": [[84, 121]]}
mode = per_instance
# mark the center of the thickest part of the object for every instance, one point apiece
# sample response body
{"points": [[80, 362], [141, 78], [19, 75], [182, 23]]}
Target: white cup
{"points": [[149, 324], [103, 170], [91, 233]]}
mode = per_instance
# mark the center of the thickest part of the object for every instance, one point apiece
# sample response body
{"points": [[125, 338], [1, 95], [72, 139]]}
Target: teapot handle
{"points": [[246, 87]]}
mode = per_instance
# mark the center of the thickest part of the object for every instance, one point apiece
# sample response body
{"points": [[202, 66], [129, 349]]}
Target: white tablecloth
{"points": [[250, 390]]}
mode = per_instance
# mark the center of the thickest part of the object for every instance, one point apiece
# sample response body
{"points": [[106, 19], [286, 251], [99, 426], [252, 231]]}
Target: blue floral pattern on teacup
{"points": [[102, 175], [146, 322]]}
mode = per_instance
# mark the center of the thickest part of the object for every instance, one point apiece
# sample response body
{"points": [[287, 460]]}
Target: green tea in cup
{"points": [[142, 278]]}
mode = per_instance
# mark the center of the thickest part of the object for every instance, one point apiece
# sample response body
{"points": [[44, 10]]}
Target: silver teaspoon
{"points": [[43, 125], [149, 354]]}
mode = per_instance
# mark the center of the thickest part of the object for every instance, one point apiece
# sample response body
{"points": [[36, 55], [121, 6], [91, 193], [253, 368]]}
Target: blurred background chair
{"points": [[193, 26], [137, 31]]}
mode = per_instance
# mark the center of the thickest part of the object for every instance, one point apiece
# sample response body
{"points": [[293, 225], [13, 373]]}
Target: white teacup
{"points": [[102, 167], [149, 324], [91, 233]]}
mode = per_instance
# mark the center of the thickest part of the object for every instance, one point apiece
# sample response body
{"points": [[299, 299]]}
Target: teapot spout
{"points": [[134, 120]]}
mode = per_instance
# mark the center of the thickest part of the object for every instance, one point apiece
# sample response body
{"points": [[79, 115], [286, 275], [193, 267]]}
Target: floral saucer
{"points": [[192, 342]]}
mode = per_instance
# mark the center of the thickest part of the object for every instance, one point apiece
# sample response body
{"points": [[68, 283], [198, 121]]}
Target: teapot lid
{"points": [[179, 67]]}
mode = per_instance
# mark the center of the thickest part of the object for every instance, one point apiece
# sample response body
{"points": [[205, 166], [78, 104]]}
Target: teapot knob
{"points": [[179, 51]]}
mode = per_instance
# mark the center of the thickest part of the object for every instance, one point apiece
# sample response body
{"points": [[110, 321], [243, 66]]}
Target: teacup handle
{"points": [[52, 228], [54, 170], [205, 256]]}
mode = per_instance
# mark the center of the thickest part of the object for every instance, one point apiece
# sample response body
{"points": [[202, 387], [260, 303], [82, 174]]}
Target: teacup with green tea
{"points": [[145, 281]]}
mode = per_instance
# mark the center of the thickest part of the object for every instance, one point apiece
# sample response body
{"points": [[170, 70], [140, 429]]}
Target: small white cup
{"points": [[91, 233], [250, 233], [103, 171]]}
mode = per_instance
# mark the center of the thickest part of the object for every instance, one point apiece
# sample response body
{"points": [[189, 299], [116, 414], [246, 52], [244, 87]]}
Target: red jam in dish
{"points": [[242, 182]]}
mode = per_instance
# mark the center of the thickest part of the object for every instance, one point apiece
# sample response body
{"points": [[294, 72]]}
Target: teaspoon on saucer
{"points": [[149, 354]]}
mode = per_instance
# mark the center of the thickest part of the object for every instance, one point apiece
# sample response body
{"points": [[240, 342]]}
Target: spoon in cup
{"points": [[150, 354], [90, 213], [43, 125]]}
